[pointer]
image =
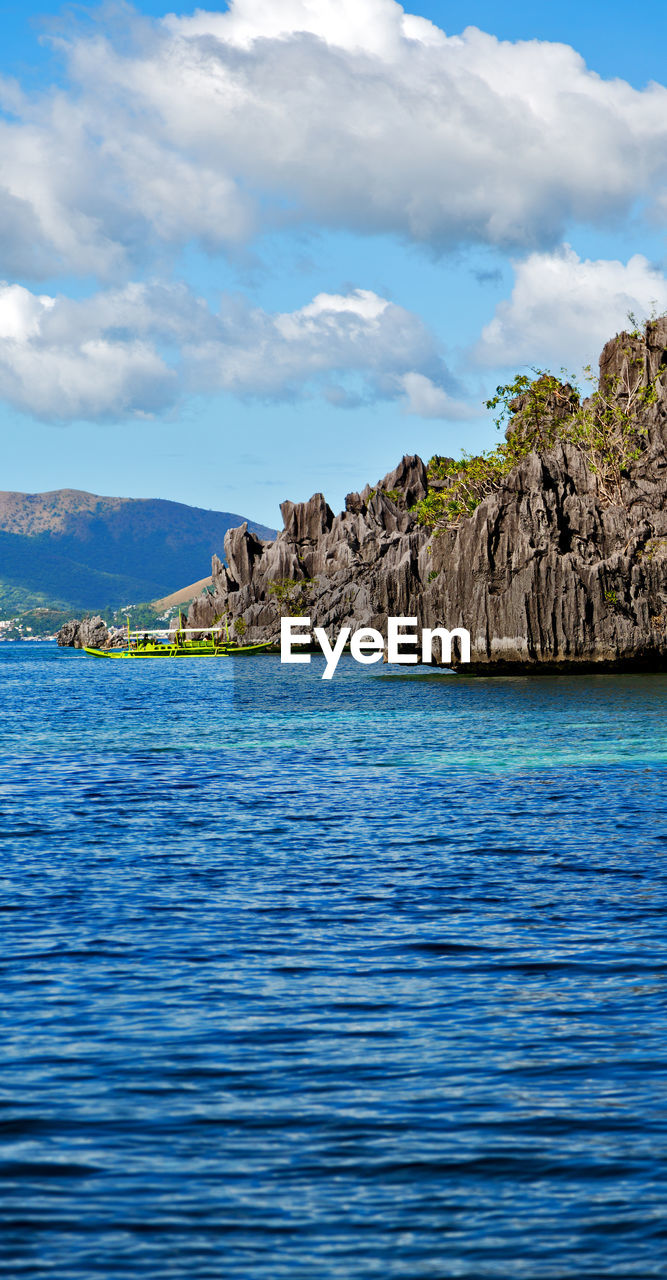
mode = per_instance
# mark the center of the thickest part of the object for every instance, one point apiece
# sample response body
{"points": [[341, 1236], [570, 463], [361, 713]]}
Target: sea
{"points": [[360, 979]]}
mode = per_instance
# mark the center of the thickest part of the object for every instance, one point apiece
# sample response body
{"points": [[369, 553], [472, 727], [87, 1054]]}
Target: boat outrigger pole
{"points": [[166, 631], [177, 640]]}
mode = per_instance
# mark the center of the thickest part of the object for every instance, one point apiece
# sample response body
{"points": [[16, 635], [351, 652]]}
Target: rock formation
{"points": [[547, 573], [92, 633], [544, 573]]}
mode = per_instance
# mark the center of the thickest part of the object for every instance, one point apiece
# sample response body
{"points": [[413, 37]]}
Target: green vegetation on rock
{"points": [[291, 595], [539, 413]]}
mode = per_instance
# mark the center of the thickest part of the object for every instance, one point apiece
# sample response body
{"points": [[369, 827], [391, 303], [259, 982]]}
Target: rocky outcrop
{"points": [[546, 573], [91, 633]]}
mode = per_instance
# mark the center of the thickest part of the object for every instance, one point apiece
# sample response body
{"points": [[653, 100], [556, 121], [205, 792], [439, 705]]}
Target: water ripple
{"points": [[349, 980]]}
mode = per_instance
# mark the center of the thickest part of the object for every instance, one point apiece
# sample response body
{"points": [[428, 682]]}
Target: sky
{"points": [[253, 251]]}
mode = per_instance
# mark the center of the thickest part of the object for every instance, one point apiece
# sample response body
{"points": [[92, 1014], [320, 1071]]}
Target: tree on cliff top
{"points": [[539, 413]]}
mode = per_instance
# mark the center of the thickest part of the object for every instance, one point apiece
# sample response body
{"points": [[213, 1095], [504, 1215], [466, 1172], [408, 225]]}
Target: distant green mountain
{"points": [[82, 551]]}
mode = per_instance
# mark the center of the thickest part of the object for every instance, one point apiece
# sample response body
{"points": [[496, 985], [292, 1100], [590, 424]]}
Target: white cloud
{"points": [[358, 26], [359, 335], [21, 313], [563, 309], [56, 364], [425, 399], [344, 113], [133, 351]]}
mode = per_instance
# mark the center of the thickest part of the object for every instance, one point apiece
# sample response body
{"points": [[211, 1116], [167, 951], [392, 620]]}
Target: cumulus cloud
{"points": [[358, 26], [57, 365], [425, 399], [564, 308], [344, 113], [133, 351]]}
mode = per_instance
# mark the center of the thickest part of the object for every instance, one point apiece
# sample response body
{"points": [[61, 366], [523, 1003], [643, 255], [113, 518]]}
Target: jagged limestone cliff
{"points": [[562, 564], [549, 570]]}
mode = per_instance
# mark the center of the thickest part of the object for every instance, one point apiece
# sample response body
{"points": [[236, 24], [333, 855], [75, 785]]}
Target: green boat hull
{"points": [[177, 651]]}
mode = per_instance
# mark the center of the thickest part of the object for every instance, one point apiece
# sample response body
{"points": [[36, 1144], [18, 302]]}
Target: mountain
{"points": [[83, 551]]}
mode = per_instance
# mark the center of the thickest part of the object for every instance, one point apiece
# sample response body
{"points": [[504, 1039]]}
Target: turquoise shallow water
{"points": [[353, 979]]}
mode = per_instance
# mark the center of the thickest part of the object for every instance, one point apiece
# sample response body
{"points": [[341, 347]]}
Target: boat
{"points": [[179, 643]]}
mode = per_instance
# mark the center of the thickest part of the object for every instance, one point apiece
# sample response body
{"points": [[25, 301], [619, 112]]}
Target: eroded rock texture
{"points": [[92, 633], [545, 572]]}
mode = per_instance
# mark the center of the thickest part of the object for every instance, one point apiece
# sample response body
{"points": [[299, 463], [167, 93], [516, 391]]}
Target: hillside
{"points": [[83, 551]]}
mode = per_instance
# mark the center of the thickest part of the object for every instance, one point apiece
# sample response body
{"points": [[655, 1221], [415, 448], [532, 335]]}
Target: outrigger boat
{"points": [[146, 643]]}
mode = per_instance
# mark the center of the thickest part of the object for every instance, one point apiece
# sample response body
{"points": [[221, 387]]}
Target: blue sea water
{"points": [[352, 980]]}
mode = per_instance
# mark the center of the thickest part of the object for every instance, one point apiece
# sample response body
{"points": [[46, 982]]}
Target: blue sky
{"points": [[259, 250]]}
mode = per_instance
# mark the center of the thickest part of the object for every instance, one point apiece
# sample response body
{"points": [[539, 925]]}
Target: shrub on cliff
{"points": [[540, 412]]}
